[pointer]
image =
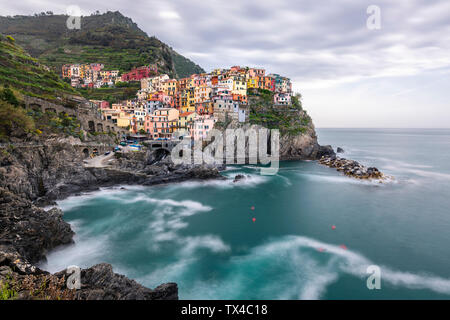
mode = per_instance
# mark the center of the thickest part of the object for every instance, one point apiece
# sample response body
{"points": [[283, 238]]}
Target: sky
{"points": [[352, 69]]}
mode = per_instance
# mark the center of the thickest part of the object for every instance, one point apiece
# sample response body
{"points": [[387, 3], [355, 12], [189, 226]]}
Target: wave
{"points": [[341, 261], [76, 201], [399, 163], [286, 268], [250, 181], [86, 250], [345, 180]]}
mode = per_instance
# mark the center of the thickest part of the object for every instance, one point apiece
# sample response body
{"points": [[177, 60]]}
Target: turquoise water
{"points": [[202, 234]]}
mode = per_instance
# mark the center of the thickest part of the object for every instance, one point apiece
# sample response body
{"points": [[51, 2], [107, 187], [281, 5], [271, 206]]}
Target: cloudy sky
{"points": [[349, 75]]}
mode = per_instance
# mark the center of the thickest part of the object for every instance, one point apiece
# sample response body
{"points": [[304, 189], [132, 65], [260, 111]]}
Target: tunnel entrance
{"points": [[158, 155]]}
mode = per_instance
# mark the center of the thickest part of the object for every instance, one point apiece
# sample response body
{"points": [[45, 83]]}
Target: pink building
{"points": [[201, 126], [162, 123], [254, 72]]}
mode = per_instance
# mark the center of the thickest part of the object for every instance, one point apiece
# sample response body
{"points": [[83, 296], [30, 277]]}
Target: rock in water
{"points": [[340, 150], [352, 168]]}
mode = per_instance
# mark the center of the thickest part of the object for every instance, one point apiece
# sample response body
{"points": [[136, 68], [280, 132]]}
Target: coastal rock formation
{"points": [[352, 168], [299, 147], [21, 280], [29, 229], [99, 282], [38, 174], [51, 170], [293, 146]]}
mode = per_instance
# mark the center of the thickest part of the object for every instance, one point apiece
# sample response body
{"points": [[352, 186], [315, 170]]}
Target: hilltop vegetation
{"points": [[112, 95], [290, 119], [110, 38], [26, 75]]}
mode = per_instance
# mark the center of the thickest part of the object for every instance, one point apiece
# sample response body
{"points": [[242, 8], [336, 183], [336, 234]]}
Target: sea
{"points": [[307, 232]]}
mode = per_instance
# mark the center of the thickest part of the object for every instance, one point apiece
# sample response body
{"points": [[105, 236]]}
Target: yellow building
{"points": [[253, 83], [185, 119], [189, 105], [123, 119], [239, 85], [202, 93], [170, 87]]}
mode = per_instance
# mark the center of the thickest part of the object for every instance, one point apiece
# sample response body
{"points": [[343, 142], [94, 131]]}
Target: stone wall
{"points": [[89, 118]]}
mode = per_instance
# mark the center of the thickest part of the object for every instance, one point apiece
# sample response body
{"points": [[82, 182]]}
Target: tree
{"points": [[8, 96]]}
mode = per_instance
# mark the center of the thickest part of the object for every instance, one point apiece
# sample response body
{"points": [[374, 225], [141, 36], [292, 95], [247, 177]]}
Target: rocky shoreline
{"points": [[24, 281], [352, 168], [37, 176], [33, 177]]}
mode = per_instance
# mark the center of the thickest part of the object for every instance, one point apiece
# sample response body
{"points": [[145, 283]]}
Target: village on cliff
{"points": [[190, 105]]}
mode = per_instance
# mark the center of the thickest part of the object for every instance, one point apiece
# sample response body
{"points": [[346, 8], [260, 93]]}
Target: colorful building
{"points": [[162, 123], [201, 126], [185, 119], [139, 73]]}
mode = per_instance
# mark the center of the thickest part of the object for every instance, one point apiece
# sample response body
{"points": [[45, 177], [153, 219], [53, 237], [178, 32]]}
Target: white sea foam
{"points": [[85, 252], [76, 201], [352, 263], [251, 180], [192, 244], [290, 268], [344, 179]]}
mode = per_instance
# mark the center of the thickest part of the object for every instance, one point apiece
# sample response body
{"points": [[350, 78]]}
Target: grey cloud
{"points": [[306, 40]]}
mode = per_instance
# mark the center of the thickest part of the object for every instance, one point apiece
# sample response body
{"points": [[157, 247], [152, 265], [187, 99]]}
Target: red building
{"points": [[269, 83], [140, 73]]}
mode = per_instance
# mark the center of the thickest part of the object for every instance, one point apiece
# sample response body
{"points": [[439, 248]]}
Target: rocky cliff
{"points": [[298, 138], [21, 280], [39, 172]]}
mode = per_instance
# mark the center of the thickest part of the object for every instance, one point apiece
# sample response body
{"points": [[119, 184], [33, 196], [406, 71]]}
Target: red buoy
{"points": [[343, 246], [254, 219], [333, 227], [253, 207]]}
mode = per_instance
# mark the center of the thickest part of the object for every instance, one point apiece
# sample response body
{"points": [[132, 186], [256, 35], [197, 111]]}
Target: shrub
{"points": [[10, 39], [7, 95], [14, 121], [6, 292]]}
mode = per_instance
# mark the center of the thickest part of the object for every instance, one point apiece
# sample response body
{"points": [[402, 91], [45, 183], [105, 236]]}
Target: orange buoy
{"points": [[343, 246]]}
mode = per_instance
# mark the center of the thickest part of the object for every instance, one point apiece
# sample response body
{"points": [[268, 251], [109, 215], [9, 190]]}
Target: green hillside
{"points": [[22, 75], [110, 38], [26, 75]]}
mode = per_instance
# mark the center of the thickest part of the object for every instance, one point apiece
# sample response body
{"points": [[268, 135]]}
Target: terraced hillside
{"points": [[36, 104], [110, 38], [26, 75]]}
